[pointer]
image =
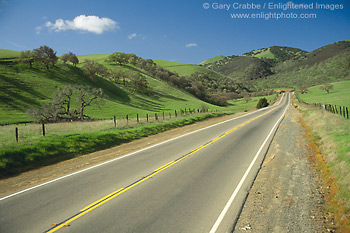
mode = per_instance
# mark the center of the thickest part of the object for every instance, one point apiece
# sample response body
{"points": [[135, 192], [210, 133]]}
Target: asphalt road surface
{"points": [[193, 183]]}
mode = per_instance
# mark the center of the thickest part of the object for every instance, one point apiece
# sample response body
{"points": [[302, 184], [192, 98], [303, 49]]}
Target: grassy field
{"points": [[211, 60], [36, 151], [24, 88], [332, 135], [4, 53], [182, 69], [340, 95]]}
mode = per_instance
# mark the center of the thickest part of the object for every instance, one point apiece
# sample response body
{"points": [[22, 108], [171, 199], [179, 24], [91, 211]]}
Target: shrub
{"points": [[262, 103]]}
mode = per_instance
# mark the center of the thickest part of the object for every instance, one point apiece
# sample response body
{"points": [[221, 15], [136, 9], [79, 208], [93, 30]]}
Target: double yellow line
{"points": [[112, 195]]}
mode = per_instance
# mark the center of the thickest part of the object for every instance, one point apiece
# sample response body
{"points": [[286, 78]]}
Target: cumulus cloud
{"points": [[90, 23], [189, 45]]}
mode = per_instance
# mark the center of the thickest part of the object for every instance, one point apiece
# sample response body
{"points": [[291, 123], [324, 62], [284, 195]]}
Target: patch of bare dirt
{"points": [[286, 195]]}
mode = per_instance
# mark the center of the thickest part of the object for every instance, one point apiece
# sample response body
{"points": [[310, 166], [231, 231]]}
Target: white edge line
{"points": [[234, 194], [124, 156]]}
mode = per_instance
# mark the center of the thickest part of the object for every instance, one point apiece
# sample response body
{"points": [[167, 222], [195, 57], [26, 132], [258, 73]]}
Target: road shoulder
{"points": [[37, 176], [286, 195]]}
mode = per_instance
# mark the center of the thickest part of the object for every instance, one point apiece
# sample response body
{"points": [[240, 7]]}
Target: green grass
{"points": [[211, 60], [24, 88], [4, 53], [183, 69], [338, 96], [19, 157], [333, 138]]}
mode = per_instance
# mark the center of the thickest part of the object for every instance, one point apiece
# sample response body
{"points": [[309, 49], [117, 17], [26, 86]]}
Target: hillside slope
{"points": [[287, 67], [24, 88]]}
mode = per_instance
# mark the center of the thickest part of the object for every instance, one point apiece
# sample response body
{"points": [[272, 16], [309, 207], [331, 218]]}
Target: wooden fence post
{"points": [[175, 113], [16, 134], [44, 133], [147, 117], [115, 121], [138, 118], [163, 115], [347, 113], [127, 119]]}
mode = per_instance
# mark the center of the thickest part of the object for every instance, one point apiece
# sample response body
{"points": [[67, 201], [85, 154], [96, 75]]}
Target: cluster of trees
{"points": [[205, 86], [46, 56], [71, 57], [133, 80], [68, 104]]}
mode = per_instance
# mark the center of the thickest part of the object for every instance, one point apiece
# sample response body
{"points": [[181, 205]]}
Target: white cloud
{"points": [[189, 45], [90, 23], [38, 29], [132, 36]]}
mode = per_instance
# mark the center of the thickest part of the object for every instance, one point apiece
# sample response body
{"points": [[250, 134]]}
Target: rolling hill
{"points": [[23, 88], [287, 67]]}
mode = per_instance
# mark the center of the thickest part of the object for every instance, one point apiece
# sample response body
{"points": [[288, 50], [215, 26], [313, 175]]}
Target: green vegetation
{"points": [[332, 135], [277, 67], [19, 157], [338, 96], [4, 53], [182, 69], [212, 60], [24, 88], [262, 103]]}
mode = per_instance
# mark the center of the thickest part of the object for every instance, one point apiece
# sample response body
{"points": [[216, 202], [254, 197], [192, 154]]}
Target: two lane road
{"points": [[193, 183]]}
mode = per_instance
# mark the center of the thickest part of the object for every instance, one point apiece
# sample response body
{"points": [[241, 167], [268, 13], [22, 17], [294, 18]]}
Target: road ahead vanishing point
{"points": [[193, 183]]}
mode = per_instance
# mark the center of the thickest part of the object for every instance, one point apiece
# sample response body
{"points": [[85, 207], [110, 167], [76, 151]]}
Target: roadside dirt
{"points": [[287, 194], [43, 174]]}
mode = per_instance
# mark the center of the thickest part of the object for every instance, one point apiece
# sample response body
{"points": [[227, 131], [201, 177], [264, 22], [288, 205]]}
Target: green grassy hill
{"points": [[183, 69], [4, 53], [276, 53], [213, 59], [23, 88], [338, 96]]}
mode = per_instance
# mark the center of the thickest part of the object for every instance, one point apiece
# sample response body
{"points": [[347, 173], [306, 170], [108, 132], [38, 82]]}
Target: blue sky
{"points": [[181, 30]]}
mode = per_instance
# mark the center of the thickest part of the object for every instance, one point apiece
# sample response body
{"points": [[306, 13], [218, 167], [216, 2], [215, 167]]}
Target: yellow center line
{"points": [[114, 194]]}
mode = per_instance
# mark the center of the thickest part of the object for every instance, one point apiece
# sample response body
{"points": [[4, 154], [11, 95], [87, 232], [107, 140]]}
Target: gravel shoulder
{"points": [[286, 195]]}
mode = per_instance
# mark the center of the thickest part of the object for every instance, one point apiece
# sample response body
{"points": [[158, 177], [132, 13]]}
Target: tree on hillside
{"points": [[118, 58], [26, 57], [60, 109], [327, 87], [139, 82], [74, 59], [71, 57], [303, 89], [246, 96], [133, 59], [85, 97], [93, 68], [45, 55], [65, 58]]}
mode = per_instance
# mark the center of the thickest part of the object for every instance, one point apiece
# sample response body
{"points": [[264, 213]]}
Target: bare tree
{"points": [[246, 96], [60, 109], [85, 96], [93, 68], [26, 57], [327, 87]]}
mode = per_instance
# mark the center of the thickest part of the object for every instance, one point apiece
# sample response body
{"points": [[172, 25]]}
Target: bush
{"points": [[262, 103]]}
